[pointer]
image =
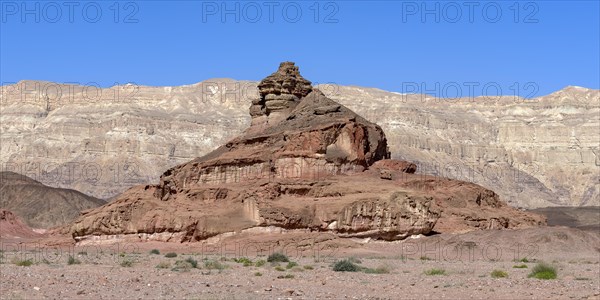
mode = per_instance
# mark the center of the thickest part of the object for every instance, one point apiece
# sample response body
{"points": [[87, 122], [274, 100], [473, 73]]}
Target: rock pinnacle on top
{"points": [[279, 93]]}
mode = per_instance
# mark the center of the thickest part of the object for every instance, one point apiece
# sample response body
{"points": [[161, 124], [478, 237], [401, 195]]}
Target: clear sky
{"points": [[393, 45]]}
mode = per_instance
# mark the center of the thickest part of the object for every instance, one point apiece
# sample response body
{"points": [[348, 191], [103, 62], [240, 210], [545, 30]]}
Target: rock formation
{"points": [[42, 206], [534, 152], [279, 93], [318, 167], [12, 226]]}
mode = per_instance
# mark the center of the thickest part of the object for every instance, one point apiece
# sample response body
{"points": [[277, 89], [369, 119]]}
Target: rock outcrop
{"points": [[12, 226], [279, 93], [307, 144], [316, 168]]}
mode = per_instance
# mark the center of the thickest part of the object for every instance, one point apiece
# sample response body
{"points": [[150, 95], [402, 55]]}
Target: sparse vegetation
{"points": [[279, 268], [258, 274], [378, 270], [278, 257], [127, 263], [171, 255], [192, 262], [523, 260], [243, 260], [424, 258], [286, 276], [155, 251], [260, 263], [182, 265], [499, 274], [82, 253], [521, 266], [23, 262], [163, 265], [543, 271], [291, 264], [214, 265], [346, 266], [73, 261], [307, 267], [582, 278], [435, 271]]}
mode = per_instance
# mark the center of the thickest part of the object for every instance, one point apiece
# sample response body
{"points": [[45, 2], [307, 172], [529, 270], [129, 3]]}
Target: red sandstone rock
{"points": [[317, 167], [12, 226]]}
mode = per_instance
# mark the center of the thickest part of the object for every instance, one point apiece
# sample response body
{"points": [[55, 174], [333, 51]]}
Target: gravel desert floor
{"points": [[487, 264]]}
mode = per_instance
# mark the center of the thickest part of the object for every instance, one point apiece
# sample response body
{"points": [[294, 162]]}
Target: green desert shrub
{"points": [[278, 257], [279, 268], [163, 265], [543, 271], [214, 265], [154, 251], [260, 263], [378, 270], [291, 264], [258, 274], [24, 262], [345, 265], [192, 262], [171, 255], [127, 263], [435, 271], [521, 266], [243, 260], [307, 267], [499, 274], [182, 265], [72, 260]]}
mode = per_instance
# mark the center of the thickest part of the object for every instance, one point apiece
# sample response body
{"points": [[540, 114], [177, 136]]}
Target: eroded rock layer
{"points": [[279, 93], [320, 167]]}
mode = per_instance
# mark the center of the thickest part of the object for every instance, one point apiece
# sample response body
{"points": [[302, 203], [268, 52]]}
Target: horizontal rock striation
{"points": [[320, 167], [536, 152]]}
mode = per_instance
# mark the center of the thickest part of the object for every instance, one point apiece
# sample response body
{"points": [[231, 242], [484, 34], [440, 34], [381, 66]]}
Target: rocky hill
{"points": [[41, 206], [306, 163], [533, 153]]}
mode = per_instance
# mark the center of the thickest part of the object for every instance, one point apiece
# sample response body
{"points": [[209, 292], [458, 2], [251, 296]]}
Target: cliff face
{"points": [[537, 152], [315, 166]]}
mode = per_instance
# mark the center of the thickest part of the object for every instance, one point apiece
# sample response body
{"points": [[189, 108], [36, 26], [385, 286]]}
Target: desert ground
{"points": [[236, 267]]}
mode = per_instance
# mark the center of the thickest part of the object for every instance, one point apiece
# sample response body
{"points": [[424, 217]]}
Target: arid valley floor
{"points": [[396, 270]]}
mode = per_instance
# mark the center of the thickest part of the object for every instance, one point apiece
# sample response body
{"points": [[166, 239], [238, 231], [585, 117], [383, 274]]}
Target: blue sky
{"points": [[541, 46]]}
